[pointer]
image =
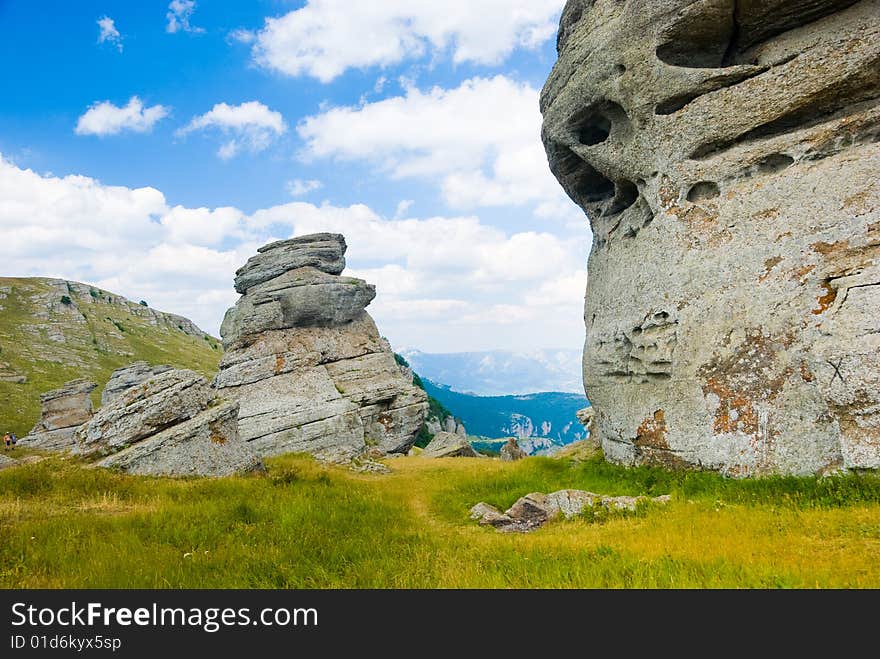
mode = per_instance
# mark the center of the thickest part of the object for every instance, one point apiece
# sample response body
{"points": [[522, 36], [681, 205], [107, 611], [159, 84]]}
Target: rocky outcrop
{"points": [[8, 374], [511, 451], [306, 361], [170, 425], [127, 377], [449, 445], [447, 424], [727, 156], [63, 411], [536, 509], [206, 445]]}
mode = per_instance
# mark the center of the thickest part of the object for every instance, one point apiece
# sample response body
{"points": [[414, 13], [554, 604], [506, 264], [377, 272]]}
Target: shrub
{"points": [[66, 300], [143, 303]]}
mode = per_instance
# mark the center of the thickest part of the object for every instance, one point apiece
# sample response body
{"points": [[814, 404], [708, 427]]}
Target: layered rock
{"points": [[449, 445], [63, 410], [727, 156], [127, 377], [170, 425], [306, 361]]}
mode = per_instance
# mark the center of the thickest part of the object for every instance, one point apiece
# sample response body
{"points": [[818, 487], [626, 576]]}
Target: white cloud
{"points": [[326, 37], [299, 188], [444, 283], [403, 207], [107, 32], [179, 13], [480, 142], [250, 126], [241, 36], [104, 118]]}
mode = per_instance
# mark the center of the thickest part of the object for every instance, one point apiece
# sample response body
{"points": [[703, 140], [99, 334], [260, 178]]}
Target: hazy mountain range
{"points": [[542, 421], [499, 373]]}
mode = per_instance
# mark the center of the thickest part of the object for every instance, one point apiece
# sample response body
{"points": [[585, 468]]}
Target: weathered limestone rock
{"points": [[324, 251], [304, 297], [306, 362], [127, 377], [511, 451], [536, 509], [142, 411], [169, 425], [63, 411], [206, 445], [726, 153], [449, 445]]}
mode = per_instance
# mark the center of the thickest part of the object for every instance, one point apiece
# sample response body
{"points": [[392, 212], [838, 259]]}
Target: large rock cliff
{"points": [[306, 362], [726, 153]]}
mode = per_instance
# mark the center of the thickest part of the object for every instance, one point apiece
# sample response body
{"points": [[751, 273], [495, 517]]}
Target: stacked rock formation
{"points": [[63, 411], [306, 362], [726, 153], [127, 377], [169, 425]]}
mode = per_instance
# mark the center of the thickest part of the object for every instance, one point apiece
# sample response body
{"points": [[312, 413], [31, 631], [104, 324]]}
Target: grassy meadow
{"points": [[305, 525]]}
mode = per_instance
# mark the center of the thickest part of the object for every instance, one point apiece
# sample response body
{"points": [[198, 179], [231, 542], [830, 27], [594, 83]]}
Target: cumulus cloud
{"points": [[104, 118], [444, 283], [107, 32], [300, 188], [326, 37], [482, 142], [179, 13], [251, 126]]}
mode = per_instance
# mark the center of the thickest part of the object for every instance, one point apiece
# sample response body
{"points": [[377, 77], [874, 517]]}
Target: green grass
{"points": [[110, 337], [303, 525]]}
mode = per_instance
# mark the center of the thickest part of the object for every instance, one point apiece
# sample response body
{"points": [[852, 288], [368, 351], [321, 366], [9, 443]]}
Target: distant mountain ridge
{"points": [[500, 372], [53, 331], [542, 421]]}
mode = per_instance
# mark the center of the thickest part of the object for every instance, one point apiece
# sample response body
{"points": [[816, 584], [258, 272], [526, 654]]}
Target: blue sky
{"points": [[150, 147]]}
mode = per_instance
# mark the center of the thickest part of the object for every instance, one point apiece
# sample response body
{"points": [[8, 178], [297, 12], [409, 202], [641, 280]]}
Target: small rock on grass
{"points": [[536, 509]]}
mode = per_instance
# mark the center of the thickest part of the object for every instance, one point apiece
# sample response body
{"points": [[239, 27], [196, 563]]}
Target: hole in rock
{"points": [[774, 163], [626, 195], [703, 190], [595, 132], [594, 125], [674, 104], [580, 180]]}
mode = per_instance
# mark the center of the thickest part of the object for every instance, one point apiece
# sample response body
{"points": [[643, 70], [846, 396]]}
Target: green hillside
{"points": [[52, 331]]}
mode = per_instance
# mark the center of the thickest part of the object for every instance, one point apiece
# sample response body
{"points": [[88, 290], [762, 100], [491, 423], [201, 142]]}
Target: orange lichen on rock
{"points": [[769, 264], [652, 431], [830, 248], [279, 364], [825, 301], [735, 411], [806, 373], [800, 273]]}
